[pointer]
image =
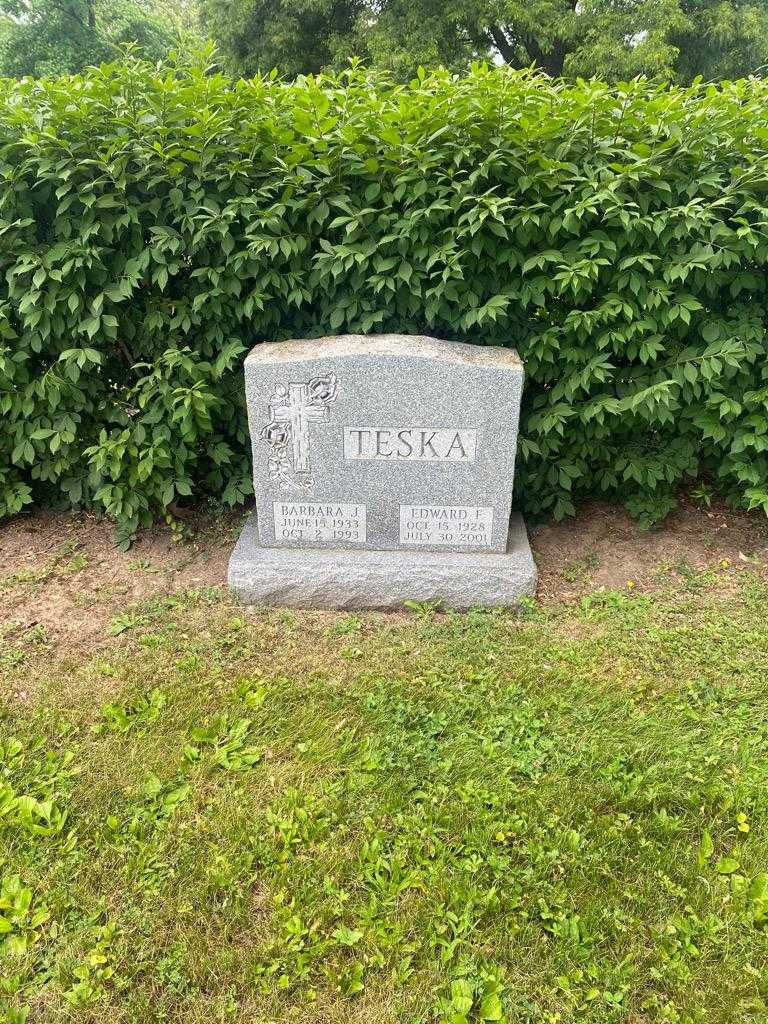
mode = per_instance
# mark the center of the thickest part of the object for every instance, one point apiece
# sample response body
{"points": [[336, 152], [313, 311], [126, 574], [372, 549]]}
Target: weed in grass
{"points": [[135, 717], [581, 569], [754, 591], [36, 636], [346, 624], [425, 611], [76, 564], [144, 565], [21, 577], [122, 623], [67, 560], [703, 495], [694, 579]]}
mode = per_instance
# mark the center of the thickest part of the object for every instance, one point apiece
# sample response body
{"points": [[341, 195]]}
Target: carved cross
{"points": [[297, 411]]}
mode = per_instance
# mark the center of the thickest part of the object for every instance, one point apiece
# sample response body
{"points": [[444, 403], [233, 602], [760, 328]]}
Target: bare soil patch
{"points": [[604, 547], [62, 576], [62, 571]]}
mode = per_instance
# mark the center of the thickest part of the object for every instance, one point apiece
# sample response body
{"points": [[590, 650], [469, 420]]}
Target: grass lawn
{"points": [[223, 814]]}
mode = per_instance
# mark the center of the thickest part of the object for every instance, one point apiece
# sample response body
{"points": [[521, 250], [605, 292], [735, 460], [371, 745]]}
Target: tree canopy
{"points": [[612, 39], [52, 37]]}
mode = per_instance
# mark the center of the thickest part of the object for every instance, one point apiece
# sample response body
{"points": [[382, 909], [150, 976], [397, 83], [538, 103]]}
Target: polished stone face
{"points": [[383, 443]]}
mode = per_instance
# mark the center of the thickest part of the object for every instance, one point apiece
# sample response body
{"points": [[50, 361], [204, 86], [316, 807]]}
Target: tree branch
{"points": [[70, 11], [551, 62], [91, 26], [502, 44]]}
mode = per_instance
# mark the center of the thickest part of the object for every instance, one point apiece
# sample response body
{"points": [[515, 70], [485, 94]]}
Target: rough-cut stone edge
{"points": [[413, 346], [323, 578]]}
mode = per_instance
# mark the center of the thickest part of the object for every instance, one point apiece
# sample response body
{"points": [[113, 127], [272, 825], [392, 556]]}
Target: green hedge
{"points": [[156, 224]]}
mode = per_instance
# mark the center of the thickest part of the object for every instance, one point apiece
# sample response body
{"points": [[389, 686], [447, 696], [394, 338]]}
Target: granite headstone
{"points": [[383, 470]]}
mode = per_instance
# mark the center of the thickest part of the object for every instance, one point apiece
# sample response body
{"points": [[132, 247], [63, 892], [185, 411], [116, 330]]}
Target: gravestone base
{"points": [[333, 578]]}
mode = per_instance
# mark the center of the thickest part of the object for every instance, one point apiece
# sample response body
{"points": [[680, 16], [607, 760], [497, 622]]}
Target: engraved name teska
{"points": [[410, 444]]}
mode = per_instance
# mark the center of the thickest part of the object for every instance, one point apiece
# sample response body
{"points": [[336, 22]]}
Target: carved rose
{"points": [[322, 390], [276, 434]]}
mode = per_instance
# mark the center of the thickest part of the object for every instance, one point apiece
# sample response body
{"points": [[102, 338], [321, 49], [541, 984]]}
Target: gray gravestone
{"points": [[383, 471]]}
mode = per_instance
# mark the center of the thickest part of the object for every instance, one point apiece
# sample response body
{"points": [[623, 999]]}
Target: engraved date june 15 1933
{"points": [[311, 521]]}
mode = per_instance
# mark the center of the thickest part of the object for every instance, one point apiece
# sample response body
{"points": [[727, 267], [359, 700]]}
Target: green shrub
{"points": [[156, 224]]}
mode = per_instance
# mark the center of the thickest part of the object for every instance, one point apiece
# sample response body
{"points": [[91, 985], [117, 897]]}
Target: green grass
{"points": [[553, 818]]}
